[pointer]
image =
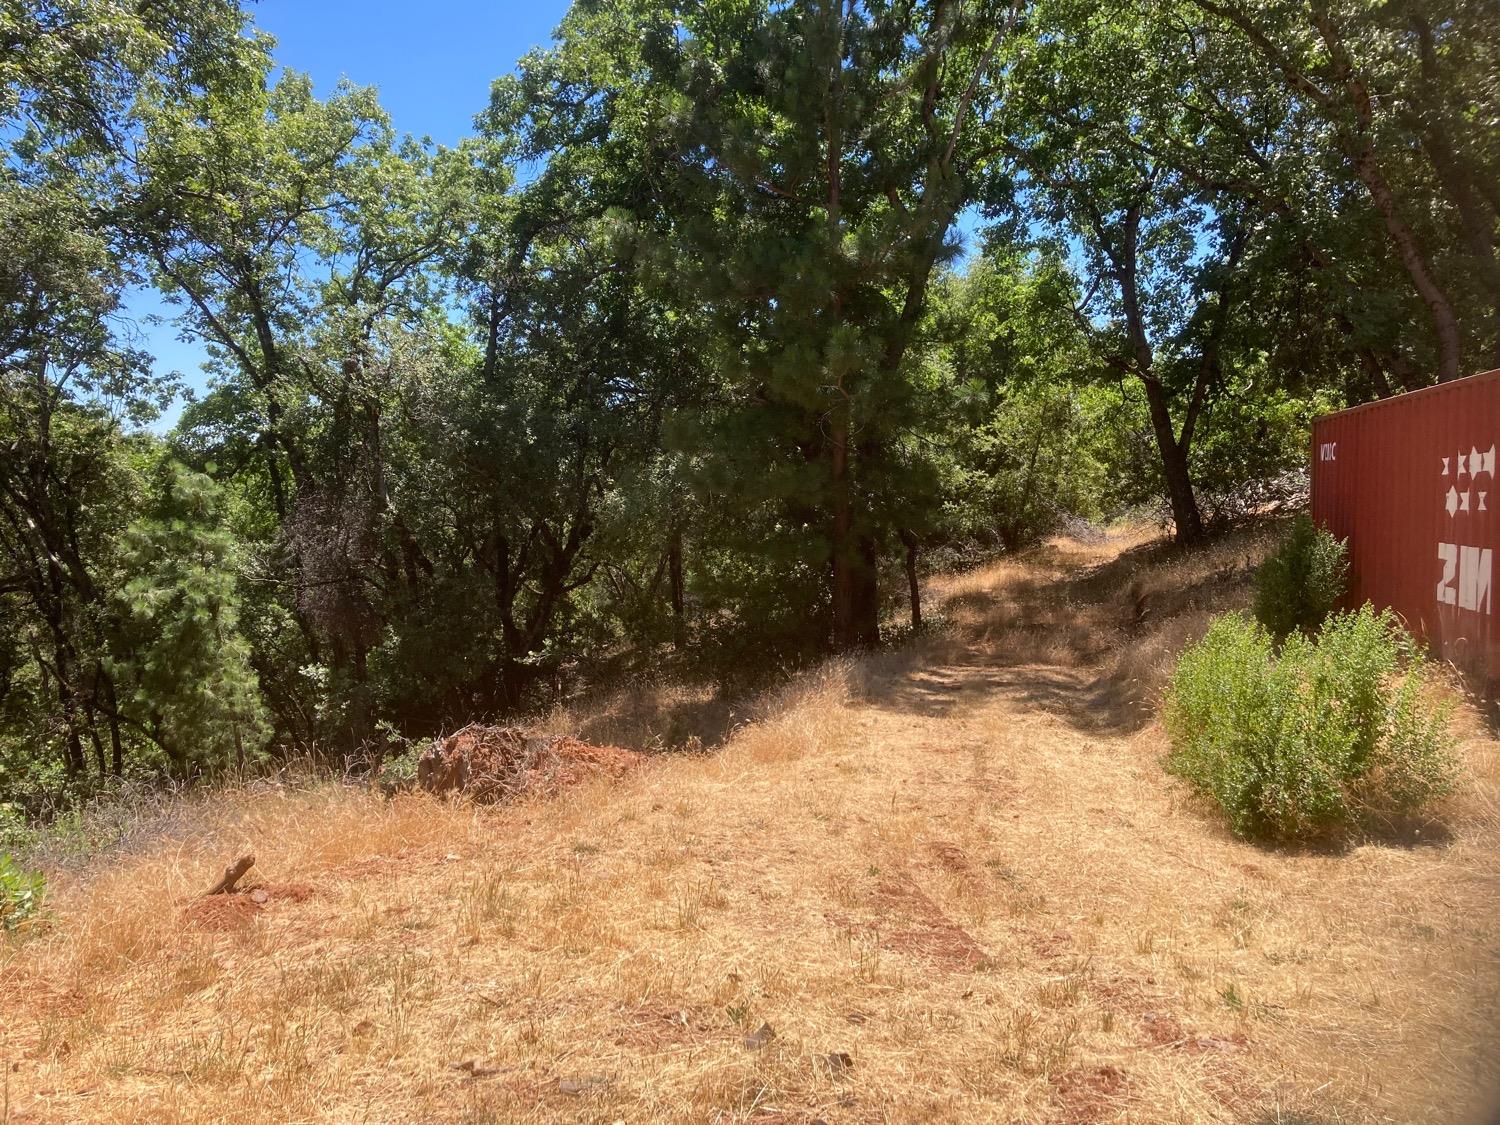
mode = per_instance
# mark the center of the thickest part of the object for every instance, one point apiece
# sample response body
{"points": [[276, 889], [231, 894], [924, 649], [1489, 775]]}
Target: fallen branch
{"points": [[232, 875]]}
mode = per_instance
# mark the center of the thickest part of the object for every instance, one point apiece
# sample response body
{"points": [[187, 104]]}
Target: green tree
{"points": [[1099, 105], [182, 664], [816, 157], [1392, 94]]}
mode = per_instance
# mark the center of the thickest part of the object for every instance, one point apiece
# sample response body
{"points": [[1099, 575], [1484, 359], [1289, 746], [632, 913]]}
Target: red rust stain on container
{"points": [[1410, 481]]}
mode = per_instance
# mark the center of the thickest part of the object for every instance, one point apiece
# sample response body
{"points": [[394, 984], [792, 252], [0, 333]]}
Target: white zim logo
{"points": [[1473, 567], [1468, 572]]}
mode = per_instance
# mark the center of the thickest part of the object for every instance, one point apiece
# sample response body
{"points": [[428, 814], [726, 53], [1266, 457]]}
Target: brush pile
{"points": [[489, 764]]}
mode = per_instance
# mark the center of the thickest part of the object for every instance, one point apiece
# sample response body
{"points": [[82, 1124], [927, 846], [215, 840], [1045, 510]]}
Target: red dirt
{"points": [[286, 892], [1087, 1093], [238, 909], [659, 1026], [489, 764], [40, 997], [927, 932], [951, 857], [221, 913], [578, 761], [1162, 1029], [1051, 946]]}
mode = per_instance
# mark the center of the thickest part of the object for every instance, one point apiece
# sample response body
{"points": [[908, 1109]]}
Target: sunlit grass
{"points": [[951, 880]]}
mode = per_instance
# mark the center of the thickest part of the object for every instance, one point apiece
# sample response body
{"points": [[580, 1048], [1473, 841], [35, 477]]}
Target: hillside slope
{"points": [[947, 883]]}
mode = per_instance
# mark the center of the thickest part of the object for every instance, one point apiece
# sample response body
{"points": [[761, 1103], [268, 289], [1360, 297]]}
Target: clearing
{"points": [[945, 883]]}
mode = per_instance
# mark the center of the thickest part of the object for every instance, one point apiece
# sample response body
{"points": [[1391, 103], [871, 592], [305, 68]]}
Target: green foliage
{"points": [[1250, 452], [183, 668], [813, 161], [1298, 586], [1035, 462], [1030, 436], [21, 892], [709, 374], [1331, 734]]}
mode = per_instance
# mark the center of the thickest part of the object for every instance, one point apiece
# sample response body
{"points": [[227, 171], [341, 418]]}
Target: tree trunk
{"points": [[1174, 464], [679, 599], [1360, 145], [867, 592], [1453, 172], [1409, 250], [913, 585], [100, 762], [839, 538], [856, 586], [1478, 230], [116, 746]]}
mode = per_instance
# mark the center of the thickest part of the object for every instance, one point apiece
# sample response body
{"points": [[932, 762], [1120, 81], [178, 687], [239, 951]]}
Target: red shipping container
{"points": [[1410, 482]]}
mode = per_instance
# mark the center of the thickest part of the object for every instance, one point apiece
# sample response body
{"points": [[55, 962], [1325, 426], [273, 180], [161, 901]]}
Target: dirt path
{"points": [[949, 883]]}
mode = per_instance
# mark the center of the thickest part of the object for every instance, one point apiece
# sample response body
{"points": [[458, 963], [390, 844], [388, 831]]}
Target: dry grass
{"points": [[953, 881]]}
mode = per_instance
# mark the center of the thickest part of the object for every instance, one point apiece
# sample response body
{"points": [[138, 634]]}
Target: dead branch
{"points": [[232, 875]]}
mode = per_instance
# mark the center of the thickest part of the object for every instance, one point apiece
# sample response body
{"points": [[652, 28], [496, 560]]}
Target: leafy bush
{"points": [[1298, 585], [1250, 453], [1331, 734], [21, 892]]}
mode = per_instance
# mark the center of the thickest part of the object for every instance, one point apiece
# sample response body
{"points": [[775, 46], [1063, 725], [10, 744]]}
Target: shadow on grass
{"points": [[1090, 646], [1415, 832]]}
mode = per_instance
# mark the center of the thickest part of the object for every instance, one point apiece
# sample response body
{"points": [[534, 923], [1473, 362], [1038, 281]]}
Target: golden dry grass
{"points": [[953, 881]]}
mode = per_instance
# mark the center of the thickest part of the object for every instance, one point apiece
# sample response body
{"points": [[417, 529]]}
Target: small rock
{"points": [[259, 897], [583, 1084], [760, 1037], [837, 1063], [475, 1069]]}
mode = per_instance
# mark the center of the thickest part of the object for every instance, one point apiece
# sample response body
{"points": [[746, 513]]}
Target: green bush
{"points": [[1297, 587], [1333, 733], [21, 892]]}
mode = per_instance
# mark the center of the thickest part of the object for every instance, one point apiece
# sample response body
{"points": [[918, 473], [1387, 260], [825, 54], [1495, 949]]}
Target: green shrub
{"points": [[21, 892], [1333, 733], [1297, 587]]}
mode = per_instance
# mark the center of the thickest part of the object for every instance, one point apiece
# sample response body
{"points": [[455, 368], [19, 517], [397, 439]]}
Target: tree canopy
{"points": [[727, 318]]}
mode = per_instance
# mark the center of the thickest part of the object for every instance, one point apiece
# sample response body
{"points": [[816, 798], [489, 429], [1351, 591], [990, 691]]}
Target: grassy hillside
{"points": [[949, 882]]}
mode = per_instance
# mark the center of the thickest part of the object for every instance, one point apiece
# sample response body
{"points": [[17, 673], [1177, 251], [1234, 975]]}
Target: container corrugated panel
{"points": [[1410, 482]]}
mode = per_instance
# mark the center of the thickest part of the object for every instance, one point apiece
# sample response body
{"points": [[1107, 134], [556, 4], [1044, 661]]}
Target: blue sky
{"points": [[432, 62]]}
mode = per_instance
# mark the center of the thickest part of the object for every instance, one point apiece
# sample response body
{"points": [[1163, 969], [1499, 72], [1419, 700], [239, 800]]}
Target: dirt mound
{"points": [[221, 913], [237, 909], [489, 764]]}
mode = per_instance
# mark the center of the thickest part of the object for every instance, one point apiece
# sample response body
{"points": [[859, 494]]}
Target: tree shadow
{"points": [[1091, 645], [651, 718]]}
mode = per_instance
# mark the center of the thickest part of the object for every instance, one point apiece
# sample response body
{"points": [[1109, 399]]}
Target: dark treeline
{"points": [[681, 352]]}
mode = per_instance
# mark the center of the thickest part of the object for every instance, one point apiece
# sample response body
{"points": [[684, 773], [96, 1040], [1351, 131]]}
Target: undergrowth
{"points": [[1298, 586], [21, 892], [1334, 733]]}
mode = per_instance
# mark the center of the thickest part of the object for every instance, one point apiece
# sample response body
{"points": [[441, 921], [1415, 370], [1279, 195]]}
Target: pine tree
{"points": [[183, 667]]}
